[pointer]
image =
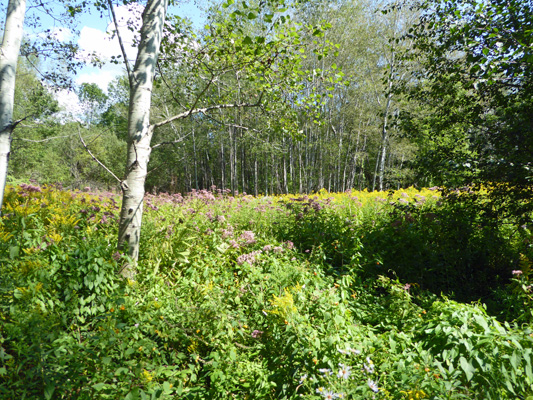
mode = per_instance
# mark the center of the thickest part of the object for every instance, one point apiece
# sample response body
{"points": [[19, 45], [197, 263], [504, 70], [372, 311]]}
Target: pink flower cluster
{"points": [[30, 188], [247, 238], [248, 258]]}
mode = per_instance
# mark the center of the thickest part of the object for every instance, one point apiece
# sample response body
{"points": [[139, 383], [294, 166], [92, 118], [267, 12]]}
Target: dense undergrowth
{"points": [[404, 295]]}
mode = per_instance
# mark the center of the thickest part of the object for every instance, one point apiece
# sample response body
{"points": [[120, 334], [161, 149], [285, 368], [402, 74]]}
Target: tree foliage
{"points": [[475, 121]]}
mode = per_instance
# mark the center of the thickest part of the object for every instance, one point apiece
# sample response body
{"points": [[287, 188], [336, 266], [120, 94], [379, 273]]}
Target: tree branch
{"points": [[205, 110], [123, 184], [42, 140], [115, 22], [181, 139]]}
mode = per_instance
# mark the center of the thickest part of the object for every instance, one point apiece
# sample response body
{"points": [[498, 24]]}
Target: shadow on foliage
{"points": [[459, 248]]}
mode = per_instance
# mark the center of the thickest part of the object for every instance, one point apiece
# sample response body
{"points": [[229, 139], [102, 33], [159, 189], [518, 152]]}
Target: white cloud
{"points": [[100, 43], [101, 77], [106, 44], [69, 104]]}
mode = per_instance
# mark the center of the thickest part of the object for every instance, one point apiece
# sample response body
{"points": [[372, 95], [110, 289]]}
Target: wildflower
{"points": [[303, 378], [369, 366], [268, 247], [325, 371], [226, 233], [344, 371], [257, 334], [248, 258], [517, 272], [329, 395], [248, 237], [373, 386], [278, 249]]}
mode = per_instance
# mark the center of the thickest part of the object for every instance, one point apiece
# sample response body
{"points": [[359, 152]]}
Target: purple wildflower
{"points": [[248, 237], [257, 334]]}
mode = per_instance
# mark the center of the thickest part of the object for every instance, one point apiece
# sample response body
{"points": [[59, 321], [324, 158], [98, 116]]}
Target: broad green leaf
{"points": [[467, 368], [13, 252], [49, 391]]}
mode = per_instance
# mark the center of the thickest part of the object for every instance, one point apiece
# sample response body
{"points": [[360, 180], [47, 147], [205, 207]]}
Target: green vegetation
{"points": [[330, 293], [262, 298]]}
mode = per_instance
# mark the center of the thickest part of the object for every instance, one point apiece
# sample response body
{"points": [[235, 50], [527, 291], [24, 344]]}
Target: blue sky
{"points": [[95, 37]]}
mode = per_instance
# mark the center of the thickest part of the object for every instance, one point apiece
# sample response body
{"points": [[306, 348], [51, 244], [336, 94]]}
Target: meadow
{"points": [[413, 294]]}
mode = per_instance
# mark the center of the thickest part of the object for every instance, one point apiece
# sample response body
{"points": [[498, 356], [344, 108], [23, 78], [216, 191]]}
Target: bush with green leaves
{"points": [[228, 304], [453, 248]]}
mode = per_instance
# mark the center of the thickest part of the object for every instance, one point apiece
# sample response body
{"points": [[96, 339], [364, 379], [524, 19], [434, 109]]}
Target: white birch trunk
{"points": [[139, 130], [9, 53]]}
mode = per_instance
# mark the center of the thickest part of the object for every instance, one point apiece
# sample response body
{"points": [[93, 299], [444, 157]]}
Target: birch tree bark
{"points": [[139, 130], [9, 52]]}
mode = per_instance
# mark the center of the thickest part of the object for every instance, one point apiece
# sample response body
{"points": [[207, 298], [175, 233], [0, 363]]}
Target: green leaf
{"points": [[133, 395], [13, 252], [228, 3], [251, 15], [467, 368], [99, 386], [247, 40], [49, 391], [515, 360]]}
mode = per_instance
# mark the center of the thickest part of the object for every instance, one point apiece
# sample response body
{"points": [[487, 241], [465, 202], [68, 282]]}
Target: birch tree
{"points": [[272, 56], [9, 53], [42, 42]]}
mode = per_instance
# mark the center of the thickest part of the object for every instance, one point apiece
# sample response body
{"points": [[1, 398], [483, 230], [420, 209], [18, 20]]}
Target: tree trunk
{"points": [[256, 180], [222, 165], [195, 165], [384, 138], [140, 131], [9, 52]]}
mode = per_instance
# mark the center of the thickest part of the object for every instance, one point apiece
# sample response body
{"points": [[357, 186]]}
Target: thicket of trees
{"points": [[285, 98], [342, 137]]}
